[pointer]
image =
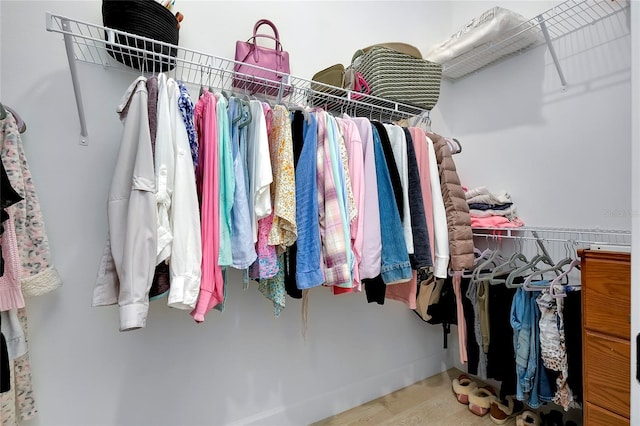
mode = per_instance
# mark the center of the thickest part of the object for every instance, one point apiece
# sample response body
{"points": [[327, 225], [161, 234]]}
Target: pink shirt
{"points": [[370, 260], [211, 285]]}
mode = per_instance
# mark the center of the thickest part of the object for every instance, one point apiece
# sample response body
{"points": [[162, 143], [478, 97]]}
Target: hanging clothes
{"points": [[258, 167], [335, 153], [421, 257], [458, 219], [10, 292], [395, 258], [332, 230], [284, 230], [308, 270], [38, 275], [212, 281], [186, 254], [355, 172], [243, 249], [187, 111], [227, 180], [440, 227], [398, 143], [266, 265], [125, 278], [370, 261]]}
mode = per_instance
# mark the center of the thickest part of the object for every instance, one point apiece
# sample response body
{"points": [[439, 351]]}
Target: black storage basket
{"points": [[146, 18]]}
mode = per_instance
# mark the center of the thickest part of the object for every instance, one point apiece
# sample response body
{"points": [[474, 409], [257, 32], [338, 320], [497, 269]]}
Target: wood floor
{"points": [[428, 402]]}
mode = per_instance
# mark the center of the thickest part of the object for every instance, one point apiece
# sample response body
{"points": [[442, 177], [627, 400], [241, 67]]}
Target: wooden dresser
{"points": [[606, 331]]}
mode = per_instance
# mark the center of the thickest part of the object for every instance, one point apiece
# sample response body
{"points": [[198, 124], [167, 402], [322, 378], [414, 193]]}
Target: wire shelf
{"points": [[95, 44], [560, 235], [557, 22]]}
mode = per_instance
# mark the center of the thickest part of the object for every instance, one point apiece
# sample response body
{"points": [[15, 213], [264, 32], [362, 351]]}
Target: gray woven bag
{"points": [[399, 77]]}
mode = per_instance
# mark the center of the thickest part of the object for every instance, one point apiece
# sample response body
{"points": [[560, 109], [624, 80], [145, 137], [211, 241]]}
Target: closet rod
{"points": [[85, 42]]}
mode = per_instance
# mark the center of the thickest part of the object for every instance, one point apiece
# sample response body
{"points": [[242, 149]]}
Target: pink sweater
{"points": [[211, 285], [369, 216]]}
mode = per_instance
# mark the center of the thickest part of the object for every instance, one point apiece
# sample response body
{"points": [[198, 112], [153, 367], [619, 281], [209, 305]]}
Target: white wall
{"points": [[240, 367], [563, 156]]}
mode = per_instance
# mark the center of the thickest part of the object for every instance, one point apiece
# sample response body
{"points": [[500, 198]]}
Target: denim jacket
{"points": [[395, 259]]}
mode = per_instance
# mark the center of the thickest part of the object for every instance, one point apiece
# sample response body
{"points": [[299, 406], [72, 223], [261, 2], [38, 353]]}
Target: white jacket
{"points": [[440, 227], [164, 169], [186, 253], [129, 260]]}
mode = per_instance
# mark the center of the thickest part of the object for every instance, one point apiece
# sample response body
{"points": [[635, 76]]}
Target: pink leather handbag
{"points": [[260, 69]]}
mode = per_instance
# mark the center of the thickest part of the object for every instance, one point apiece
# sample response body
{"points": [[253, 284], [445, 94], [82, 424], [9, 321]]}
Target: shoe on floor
{"points": [[462, 386], [528, 418], [480, 400], [501, 411]]}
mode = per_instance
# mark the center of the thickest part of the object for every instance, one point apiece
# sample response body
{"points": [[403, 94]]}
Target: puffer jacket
{"points": [[458, 219]]}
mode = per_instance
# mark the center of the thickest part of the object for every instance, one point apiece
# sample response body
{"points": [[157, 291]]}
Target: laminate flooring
{"points": [[428, 402]]}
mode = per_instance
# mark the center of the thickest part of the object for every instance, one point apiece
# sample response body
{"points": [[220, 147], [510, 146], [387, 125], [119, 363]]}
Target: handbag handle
{"points": [[269, 23], [255, 36]]}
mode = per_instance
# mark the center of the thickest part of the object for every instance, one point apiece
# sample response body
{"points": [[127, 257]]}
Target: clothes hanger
{"points": [[555, 284], [246, 114], [557, 269], [531, 266], [3, 112], [507, 267], [202, 85], [494, 257], [479, 256]]}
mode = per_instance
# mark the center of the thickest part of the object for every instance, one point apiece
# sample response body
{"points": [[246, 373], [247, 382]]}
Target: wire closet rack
{"points": [[545, 28], [575, 235], [95, 44]]}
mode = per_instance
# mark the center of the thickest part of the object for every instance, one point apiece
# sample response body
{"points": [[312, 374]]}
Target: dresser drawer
{"points": [[596, 416], [606, 372], [606, 292]]}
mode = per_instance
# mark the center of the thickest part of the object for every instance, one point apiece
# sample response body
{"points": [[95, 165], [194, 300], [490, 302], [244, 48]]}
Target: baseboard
{"points": [[342, 399]]}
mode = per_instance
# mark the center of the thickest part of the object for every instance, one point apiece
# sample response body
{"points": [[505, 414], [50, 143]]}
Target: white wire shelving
{"points": [[94, 44], [545, 28], [560, 235]]}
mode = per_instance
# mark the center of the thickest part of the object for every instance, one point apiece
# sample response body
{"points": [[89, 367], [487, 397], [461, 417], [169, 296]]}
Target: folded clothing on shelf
{"points": [[496, 33], [489, 209], [496, 222]]}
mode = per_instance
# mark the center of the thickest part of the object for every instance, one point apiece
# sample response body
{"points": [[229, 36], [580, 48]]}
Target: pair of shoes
{"points": [[480, 400], [502, 411], [462, 387], [528, 418], [467, 392]]}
